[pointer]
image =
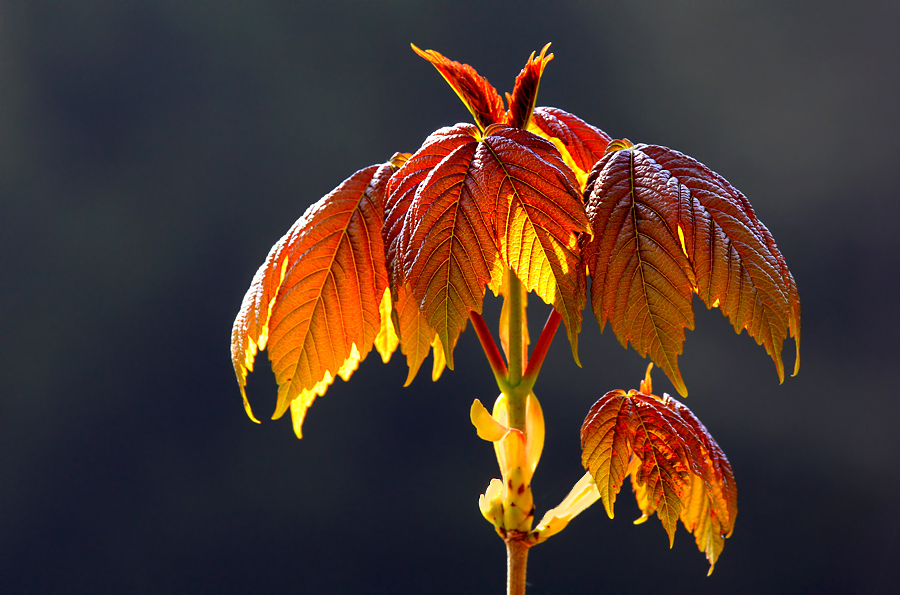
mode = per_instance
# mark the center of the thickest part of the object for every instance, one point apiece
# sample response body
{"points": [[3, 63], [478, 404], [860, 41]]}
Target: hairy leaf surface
{"points": [[677, 470], [317, 303]]}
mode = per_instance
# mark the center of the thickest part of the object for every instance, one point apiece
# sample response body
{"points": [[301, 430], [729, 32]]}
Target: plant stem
{"points": [[515, 399], [490, 350], [516, 563], [540, 349], [516, 396]]}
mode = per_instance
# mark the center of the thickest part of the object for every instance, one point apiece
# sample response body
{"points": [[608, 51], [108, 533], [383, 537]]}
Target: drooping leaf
{"points": [[580, 144], [521, 101], [677, 470], [317, 302], [641, 280], [479, 97], [538, 216], [736, 262], [665, 226], [416, 335], [451, 253]]}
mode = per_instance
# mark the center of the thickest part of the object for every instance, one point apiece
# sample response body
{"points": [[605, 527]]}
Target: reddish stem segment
{"points": [[488, 344], [543, 344]]}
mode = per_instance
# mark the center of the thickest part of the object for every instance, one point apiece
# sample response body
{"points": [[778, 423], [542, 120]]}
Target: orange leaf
{"points": [[538, 216], [315, 302], [677, 470], [580, 144], [480, 98], [416, 336], [736, 262], [521, 102], [641, 279]]}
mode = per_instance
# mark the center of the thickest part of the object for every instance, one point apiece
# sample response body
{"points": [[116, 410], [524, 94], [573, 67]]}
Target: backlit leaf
{"points": [[666, 226], [480, 98], [677, 470], [416, 336], [737, 265], [580, 144], [641, 280], [451, 253], [317, 302], [538, 216], [521, 101]]}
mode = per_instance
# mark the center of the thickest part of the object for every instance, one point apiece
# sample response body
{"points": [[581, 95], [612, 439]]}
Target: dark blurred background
{"points": [[151, 153]]}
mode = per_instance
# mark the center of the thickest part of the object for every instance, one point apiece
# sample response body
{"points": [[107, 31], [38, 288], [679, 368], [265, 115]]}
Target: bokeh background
{"points": [[151, 153]]}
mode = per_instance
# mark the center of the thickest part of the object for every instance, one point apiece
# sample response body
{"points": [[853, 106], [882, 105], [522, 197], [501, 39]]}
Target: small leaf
{"points": [[479, 97], [677, 470], [580, 144], [521, 102], [314, 303]]}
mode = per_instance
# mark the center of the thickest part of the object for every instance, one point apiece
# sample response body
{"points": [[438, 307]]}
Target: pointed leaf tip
{"points": [[479, 97], [522, 100]]}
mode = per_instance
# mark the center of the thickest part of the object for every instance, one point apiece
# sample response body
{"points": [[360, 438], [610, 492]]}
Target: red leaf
{"points": [[677, 469], [580, 144], [665, 226], [538, 218], [736, 262], [521, 102], [480, 98], [640, 278], [450, 253]]}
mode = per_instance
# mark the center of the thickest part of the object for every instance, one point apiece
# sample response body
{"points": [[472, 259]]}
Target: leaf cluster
{"points": [[402, 253]]}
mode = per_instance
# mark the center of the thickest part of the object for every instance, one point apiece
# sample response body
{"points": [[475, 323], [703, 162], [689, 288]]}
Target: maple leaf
{"points": [[665, 227], [319, 301], [677, 470]]}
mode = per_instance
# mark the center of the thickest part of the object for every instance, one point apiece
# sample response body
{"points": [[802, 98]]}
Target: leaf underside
{"points": [[676, 468], [665, 227], [475, 204], [315, 304]]}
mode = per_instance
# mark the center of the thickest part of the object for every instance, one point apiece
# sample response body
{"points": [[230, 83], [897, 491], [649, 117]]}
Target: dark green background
{"points": [[151, 153]]}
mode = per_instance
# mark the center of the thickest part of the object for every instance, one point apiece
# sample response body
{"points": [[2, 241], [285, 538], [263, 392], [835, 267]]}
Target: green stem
{"points": [[515, 397]]}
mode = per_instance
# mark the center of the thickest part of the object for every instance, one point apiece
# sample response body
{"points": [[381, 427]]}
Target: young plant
{"points": [[529, 199]]}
